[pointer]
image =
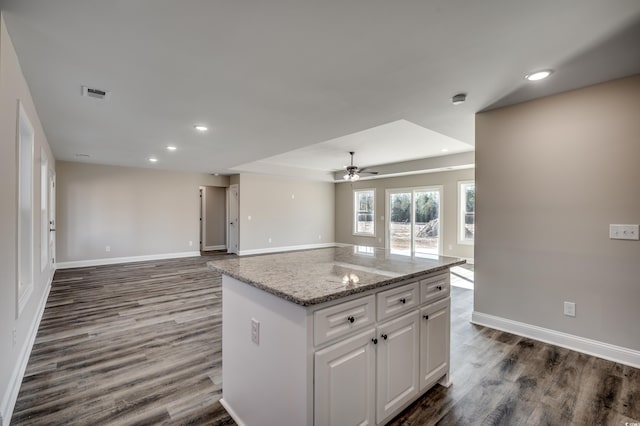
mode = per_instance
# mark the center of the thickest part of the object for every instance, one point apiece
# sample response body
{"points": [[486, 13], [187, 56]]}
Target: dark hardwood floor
{"points": [[136, 343], [140, 343]]}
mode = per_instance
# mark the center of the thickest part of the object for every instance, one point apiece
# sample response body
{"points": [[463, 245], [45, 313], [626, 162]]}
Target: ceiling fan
{"points": [[352, 173]]}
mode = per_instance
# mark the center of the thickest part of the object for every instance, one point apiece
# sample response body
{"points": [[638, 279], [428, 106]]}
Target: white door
{"points": [[434, 342], [202, 223], [52, 221], [397, 363], [234, 228], [345, 382]]}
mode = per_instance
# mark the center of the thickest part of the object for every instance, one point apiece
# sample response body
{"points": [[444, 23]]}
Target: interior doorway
{"points": [[213, 207], [414, 221], [233, 233]]}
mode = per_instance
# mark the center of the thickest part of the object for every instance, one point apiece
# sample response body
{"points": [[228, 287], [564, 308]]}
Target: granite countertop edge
{"points": [[333, 296]]}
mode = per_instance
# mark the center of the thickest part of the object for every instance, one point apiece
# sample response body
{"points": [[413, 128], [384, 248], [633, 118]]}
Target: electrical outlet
{"points": [[570, 309], [107, 249], [269, 239], [255, 331], [624, 232], [190, 243], [15, 336]]}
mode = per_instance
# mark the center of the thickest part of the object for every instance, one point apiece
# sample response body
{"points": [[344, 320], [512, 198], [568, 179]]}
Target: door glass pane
{"points": [[400, 223], [427, 222]]}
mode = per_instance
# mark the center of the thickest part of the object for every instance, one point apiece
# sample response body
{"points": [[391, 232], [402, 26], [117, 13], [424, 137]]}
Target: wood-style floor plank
{"points": [[135, 343], [140, 343]]}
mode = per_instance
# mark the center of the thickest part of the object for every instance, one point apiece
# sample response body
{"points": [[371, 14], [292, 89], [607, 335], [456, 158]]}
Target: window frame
{"points": [[355, 213], [462, 185]]}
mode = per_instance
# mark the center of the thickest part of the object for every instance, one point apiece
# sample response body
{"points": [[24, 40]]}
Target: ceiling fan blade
{"points": [[365, 170]]}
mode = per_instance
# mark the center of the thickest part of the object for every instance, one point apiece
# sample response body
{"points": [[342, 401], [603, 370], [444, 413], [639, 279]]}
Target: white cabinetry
{"points": [[368, 378], [397, 363], [345, 382], [359, 360], [434, 342]]}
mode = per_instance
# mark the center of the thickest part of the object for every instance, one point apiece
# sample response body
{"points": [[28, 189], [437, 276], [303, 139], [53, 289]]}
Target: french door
{"points": [[413, 221]]}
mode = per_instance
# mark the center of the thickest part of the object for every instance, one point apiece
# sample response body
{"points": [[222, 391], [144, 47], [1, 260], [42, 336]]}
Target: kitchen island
{"points": [[340, 335]]}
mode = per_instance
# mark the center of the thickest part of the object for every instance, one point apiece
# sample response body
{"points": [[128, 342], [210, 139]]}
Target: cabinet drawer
{"points": [[434, 288], [339, 320], [397, 300]]}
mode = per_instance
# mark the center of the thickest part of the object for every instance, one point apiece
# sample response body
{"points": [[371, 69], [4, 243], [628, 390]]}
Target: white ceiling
{"points": [[281, 83], [393, 142]]}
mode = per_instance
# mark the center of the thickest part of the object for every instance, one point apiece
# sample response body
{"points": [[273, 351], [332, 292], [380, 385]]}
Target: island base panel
{"points": [[268, 383]]}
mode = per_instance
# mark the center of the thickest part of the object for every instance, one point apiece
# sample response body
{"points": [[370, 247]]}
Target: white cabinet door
{"points": [[397, 363], [434, 342], [345, 382]]}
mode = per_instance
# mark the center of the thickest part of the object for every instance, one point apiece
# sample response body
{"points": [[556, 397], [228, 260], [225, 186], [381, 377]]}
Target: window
{"points": [[25, 208], [467, 208], [364, 212]]}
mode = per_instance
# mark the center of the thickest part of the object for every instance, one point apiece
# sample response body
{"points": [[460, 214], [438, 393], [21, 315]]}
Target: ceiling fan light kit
{"points": [[351, 176], [353, 172]]}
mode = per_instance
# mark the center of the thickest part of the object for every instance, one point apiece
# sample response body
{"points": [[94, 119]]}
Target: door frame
{"points": [[413, 190], [51, 220], [236, 232]]}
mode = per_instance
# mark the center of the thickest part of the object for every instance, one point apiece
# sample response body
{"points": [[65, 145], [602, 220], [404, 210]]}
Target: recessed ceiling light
{"points": [[444, 150], [200, 128], [83, 155], [153, 160], [171, 148], [538, 75]]}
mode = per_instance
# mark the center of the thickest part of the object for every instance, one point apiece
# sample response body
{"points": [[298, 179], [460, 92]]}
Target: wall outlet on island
{"points": [[255, 331], [190, 243], [107, 249]]}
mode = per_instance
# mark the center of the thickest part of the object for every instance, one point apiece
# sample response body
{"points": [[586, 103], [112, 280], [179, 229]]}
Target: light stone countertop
{"points": [[310, 277]]}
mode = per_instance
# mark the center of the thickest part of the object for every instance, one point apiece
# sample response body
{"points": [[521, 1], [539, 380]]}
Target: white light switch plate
{"points": [[624, 232]]}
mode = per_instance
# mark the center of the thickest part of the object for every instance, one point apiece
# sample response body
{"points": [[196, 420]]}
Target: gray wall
{"points": [[449, 182], [551, 175], [215, 211], [13, 87], [307, 218], [135, 211]]}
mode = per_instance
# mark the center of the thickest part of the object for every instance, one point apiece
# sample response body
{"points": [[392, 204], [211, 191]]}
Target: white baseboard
{"points": [[13, 387], [211, 248], [114, 260], [588, 346], [232, 413], [285, 248]]}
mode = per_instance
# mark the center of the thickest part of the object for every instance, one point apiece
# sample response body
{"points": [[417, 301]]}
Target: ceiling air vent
{"points": [[92, 92]]}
